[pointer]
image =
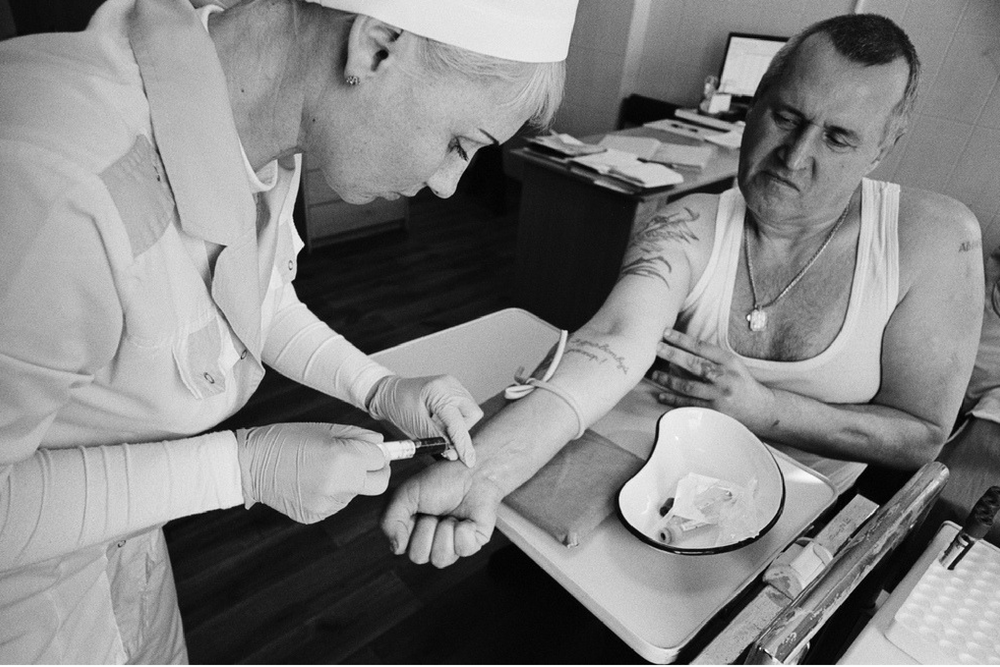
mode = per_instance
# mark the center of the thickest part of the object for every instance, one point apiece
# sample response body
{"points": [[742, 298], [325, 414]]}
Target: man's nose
{"points": [[798, 148]]}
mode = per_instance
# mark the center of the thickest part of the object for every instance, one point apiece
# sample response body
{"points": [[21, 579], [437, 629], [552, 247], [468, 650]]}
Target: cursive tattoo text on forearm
{"points": [[600, 353]]}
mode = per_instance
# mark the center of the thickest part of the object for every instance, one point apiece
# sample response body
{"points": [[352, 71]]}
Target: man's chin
{"points": [[775, 190], [773, 202]]}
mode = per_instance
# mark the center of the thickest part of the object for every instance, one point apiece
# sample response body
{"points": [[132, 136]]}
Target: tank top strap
{"points": [[728, 236], [878, 244]]}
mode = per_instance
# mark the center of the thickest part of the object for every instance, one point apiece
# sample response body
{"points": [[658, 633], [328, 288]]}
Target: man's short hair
{"points": [[866, 39]]}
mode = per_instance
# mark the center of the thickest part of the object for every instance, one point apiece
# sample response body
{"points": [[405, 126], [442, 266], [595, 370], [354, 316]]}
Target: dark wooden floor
{"points": [[255, 587]]}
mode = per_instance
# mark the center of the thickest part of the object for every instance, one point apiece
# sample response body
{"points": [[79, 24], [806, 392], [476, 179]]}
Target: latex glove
{"points": [[442, 513], [424, 407], [705, 375], [310, 471]]}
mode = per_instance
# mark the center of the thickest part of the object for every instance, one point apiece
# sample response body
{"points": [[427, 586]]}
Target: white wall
{"points": [[665, 48], [953, 145], [685, 39], [602, 63]]}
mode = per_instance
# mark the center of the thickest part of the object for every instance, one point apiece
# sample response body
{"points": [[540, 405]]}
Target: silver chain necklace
{"points": [[757, 318]]}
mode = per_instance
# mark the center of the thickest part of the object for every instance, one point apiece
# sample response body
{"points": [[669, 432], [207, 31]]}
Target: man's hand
{"points": [[704, 375], [425, 407], [441, 514]]}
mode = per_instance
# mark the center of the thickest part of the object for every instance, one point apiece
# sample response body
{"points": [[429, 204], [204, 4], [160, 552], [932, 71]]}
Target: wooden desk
{"points": [[573, 231]]}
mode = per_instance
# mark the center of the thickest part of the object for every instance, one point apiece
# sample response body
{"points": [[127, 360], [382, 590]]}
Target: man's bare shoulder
{"points": [[672, 235], [702, 208], [694, 215], [934, 227], [928, 218]]}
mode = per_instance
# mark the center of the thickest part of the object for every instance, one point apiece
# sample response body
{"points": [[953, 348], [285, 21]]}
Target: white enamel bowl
{"points": [[709, 443]]}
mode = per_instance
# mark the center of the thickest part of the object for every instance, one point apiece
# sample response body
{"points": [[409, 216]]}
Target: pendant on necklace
{"points": [[757, 319]]}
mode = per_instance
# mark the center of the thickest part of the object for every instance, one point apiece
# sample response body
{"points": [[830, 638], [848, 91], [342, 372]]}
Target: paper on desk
{"points": [[565, 138], [647, 174], [628, 168], [731, 139], [603, 162], [564, 145], [641, 147], [678, 155], [689, 130], [654, 150]]}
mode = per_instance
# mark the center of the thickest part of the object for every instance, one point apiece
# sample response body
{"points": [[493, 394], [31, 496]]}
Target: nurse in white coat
{"points": [[148, 171]]}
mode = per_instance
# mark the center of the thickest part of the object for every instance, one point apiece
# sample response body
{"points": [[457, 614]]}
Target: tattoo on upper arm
{"points": [[600, 353], [969, 246], [644, 255]]}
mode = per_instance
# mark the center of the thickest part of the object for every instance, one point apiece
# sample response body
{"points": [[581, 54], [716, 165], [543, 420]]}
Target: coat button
{"points": [[291, 265], [243, 354], [209, 378], [121, 543]]}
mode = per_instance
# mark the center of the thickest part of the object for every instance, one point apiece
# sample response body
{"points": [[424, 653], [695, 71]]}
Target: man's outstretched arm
{"points": [[444, 513]]}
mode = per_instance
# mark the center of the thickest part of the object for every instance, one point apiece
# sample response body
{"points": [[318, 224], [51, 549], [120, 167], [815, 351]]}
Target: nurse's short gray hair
{"points": [[536, 87]]}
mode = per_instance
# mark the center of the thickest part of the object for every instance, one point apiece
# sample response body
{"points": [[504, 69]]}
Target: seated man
{"points": [[825, 311]]}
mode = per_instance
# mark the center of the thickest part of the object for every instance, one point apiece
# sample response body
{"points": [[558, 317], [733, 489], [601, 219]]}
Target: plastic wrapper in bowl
{"points": [[705, 508]]}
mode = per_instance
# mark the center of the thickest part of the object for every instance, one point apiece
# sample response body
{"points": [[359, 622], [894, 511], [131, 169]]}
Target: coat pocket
{"points": [[198, 356]]}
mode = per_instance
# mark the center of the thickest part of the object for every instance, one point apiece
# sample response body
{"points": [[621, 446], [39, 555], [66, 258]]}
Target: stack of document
{"points": [[627, 167], [730, 139], [563, 145], [653, 150], [680, 128]]}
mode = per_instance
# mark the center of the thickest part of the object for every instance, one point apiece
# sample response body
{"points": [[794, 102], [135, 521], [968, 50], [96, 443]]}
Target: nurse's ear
{"points": [[373, 46]]}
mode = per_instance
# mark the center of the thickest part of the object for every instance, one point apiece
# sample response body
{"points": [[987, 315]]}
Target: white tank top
{"points": [[849, 370]]}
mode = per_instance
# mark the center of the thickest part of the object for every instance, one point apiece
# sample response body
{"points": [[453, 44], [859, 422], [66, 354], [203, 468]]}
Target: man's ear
{"points": [[885, 149], [371, 45]]}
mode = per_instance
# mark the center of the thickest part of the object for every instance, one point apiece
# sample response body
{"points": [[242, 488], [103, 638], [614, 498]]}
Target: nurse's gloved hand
{"points": [[310, 471], [424, 407]]}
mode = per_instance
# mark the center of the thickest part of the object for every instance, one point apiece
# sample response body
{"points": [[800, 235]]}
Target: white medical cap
{"points": [[535, 31]]}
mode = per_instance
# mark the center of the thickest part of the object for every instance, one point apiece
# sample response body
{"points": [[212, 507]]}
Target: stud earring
{"points": [[352, 80]]}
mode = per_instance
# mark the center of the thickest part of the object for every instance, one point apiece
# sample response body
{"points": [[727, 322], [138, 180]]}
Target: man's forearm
{"points": [[521, 439], [596, 371], [869, 433]]}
